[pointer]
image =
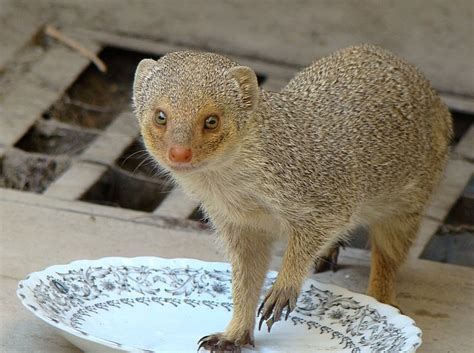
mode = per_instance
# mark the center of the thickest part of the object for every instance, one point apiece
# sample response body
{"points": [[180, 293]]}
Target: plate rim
{"points": [[407, 321]]}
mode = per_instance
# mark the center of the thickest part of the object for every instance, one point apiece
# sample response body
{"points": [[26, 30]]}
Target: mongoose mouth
{"points": [[181, 167]]}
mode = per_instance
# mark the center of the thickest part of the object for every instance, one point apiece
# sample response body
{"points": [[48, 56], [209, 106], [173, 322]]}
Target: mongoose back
{"points": [[359, 138]]}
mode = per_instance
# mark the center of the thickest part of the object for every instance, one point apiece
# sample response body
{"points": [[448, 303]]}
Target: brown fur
{"points": [[357, 138]]}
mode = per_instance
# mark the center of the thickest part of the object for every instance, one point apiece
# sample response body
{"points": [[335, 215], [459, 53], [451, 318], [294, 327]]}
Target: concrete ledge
{"points": [[47, 232], [96, 210]]}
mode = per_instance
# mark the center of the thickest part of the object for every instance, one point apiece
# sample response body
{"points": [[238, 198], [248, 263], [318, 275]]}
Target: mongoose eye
{"points": [[211, 122], [160, 118]]}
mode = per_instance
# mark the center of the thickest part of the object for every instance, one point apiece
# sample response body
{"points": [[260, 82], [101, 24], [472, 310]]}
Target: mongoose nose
{"points": [[180, 154]]}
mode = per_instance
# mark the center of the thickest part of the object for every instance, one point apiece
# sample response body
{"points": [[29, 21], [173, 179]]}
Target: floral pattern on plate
{"points": [[73, 297]]}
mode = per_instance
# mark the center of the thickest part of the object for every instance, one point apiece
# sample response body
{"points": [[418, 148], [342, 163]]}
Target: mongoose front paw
{"points": [[278, 298], [219, 343]]}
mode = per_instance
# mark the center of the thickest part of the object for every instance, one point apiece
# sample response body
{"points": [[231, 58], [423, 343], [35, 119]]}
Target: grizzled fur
{"points": [[357, 138]]}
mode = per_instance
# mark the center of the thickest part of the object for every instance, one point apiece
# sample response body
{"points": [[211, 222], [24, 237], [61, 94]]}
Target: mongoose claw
{"points": [[217, 343], [274, 303]]}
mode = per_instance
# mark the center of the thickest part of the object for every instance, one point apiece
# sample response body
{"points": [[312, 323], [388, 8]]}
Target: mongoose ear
{"points": [[248, 86], [141, 73]]}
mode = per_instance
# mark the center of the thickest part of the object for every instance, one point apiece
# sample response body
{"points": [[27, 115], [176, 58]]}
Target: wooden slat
{"points": [[177, 205], [38, 90], [160, 48], [75, 181], [465, 147]]}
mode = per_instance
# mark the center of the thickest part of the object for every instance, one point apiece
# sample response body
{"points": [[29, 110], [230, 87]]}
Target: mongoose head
{"points": [[192, 108]]}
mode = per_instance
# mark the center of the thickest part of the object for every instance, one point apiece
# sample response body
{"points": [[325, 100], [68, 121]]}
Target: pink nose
{"points": [[180, 154]]}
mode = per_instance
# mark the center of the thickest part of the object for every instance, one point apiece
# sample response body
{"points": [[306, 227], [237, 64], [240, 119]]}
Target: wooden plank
{"points": [[105, 149], [177, 205], [465, 147], [427, 229], [38, 90], [113, 141], [125, 124], [75, 181], [274, 84], [458, 102], [20, 109], [15, 34], [93, 210], [456, 177], [160, 48]]}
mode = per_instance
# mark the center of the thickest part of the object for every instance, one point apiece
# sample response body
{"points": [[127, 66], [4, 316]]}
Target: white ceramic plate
{"points": [[149, 304]]}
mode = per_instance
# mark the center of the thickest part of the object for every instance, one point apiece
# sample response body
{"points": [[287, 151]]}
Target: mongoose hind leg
{"points": [[249, 254], [329, 260], [390, 242]]}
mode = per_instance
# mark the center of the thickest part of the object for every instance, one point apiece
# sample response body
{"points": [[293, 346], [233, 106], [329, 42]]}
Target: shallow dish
{"points": [[149, 304]]}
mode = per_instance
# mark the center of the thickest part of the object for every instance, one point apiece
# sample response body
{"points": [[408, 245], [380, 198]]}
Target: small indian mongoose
{"points": [[357, 138]]}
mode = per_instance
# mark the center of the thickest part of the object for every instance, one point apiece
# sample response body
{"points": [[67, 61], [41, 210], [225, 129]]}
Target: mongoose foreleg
{"points": [[249, 253], [298, 259]]}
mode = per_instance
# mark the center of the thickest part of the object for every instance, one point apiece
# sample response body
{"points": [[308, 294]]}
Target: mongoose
{"points": [[357, 138]]}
